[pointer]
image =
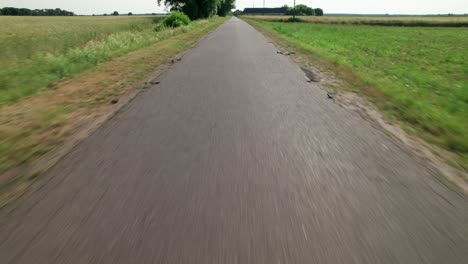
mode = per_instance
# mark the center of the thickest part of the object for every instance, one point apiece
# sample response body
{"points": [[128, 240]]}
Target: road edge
{"points": [[33, 170], [424, 151]]}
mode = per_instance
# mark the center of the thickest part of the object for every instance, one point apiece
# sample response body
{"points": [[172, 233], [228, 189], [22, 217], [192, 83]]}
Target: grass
{"points": [[37, 52], [35, 125], [407, 21], [418, 75]]}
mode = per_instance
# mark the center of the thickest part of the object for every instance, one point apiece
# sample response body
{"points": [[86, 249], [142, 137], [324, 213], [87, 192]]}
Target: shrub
{"points": [[158, 19], [175, 19], [294, 19]]}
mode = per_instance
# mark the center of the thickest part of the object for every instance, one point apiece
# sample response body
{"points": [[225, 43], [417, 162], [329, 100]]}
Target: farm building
{"points": [[276, 11]]}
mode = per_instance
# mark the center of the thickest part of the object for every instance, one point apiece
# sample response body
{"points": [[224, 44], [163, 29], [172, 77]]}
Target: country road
{"points": [[235, 158]]}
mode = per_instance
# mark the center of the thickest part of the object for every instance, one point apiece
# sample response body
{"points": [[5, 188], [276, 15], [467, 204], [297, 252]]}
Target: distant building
{"points": [[276, 11]]}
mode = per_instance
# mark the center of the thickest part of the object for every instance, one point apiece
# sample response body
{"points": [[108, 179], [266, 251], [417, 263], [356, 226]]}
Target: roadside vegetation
{"points": [[51, 116], [198, 9], [417, 75], [41, 70], [174, 20], [402, 21], [38, 52], [62, 76]]}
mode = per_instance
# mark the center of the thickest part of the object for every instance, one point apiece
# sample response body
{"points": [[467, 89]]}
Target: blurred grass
{"points": [[407, 21], [36, 52], [40, 123], [417, 75], [26, 127]]}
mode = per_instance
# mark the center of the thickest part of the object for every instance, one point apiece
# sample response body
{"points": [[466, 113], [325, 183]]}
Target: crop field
{"points": [[425, 21], [37, 52], [418, 75]]}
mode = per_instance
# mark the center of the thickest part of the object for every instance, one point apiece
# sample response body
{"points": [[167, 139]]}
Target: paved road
{"points": [[234, 158]]}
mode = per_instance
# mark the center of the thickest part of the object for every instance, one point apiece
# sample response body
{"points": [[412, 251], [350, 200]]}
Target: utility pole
{"points": [[294, 9], [263, 12]]}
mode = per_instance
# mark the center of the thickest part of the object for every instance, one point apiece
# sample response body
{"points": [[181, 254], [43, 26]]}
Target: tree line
{"points": [[299, 10], [196, 9], [303, 10], [13, 11]]}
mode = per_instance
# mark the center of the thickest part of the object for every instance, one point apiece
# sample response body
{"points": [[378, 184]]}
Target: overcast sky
{"points": [[330, 6]]}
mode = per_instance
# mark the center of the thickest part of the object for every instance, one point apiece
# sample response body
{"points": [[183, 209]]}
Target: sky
{"points": [[88, 7]]}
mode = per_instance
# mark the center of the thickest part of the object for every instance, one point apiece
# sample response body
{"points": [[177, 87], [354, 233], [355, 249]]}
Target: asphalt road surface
{"points": [[235, 158]]}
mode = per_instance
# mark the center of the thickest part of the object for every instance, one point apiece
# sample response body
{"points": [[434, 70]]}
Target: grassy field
{"points": [[424, 21], [418, 75], [36, 52], [44, 121]]}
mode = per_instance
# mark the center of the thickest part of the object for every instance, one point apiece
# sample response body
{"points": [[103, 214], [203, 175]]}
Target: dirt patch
{"points": [[312, 75]]}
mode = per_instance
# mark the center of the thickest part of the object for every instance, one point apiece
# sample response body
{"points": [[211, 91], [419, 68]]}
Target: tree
{"points": [[130, 14], [24, 12], [115, 13], [12, 11], [225, 7], [318, 12], [194, 9], [300, 10], [237, 12], [190, 8]]}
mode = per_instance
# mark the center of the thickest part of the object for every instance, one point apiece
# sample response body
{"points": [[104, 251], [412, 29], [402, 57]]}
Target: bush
{"points": [[294, 19], [175, 19], [158, 19]]}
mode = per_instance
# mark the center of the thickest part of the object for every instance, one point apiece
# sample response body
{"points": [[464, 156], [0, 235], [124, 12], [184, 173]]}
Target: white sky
{"points": [[87, 7]]}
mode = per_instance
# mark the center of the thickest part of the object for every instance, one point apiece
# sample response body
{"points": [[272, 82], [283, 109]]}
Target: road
{"points": [[235, 158]]}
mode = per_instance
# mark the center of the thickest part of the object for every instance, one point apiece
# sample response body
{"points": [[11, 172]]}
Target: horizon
{"points": [[358, 7]]}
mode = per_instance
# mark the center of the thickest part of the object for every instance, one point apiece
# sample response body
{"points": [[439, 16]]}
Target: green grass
{"points": [[37, 52], [417, 75], [27, 125], [407, 21], [45, 121]]}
